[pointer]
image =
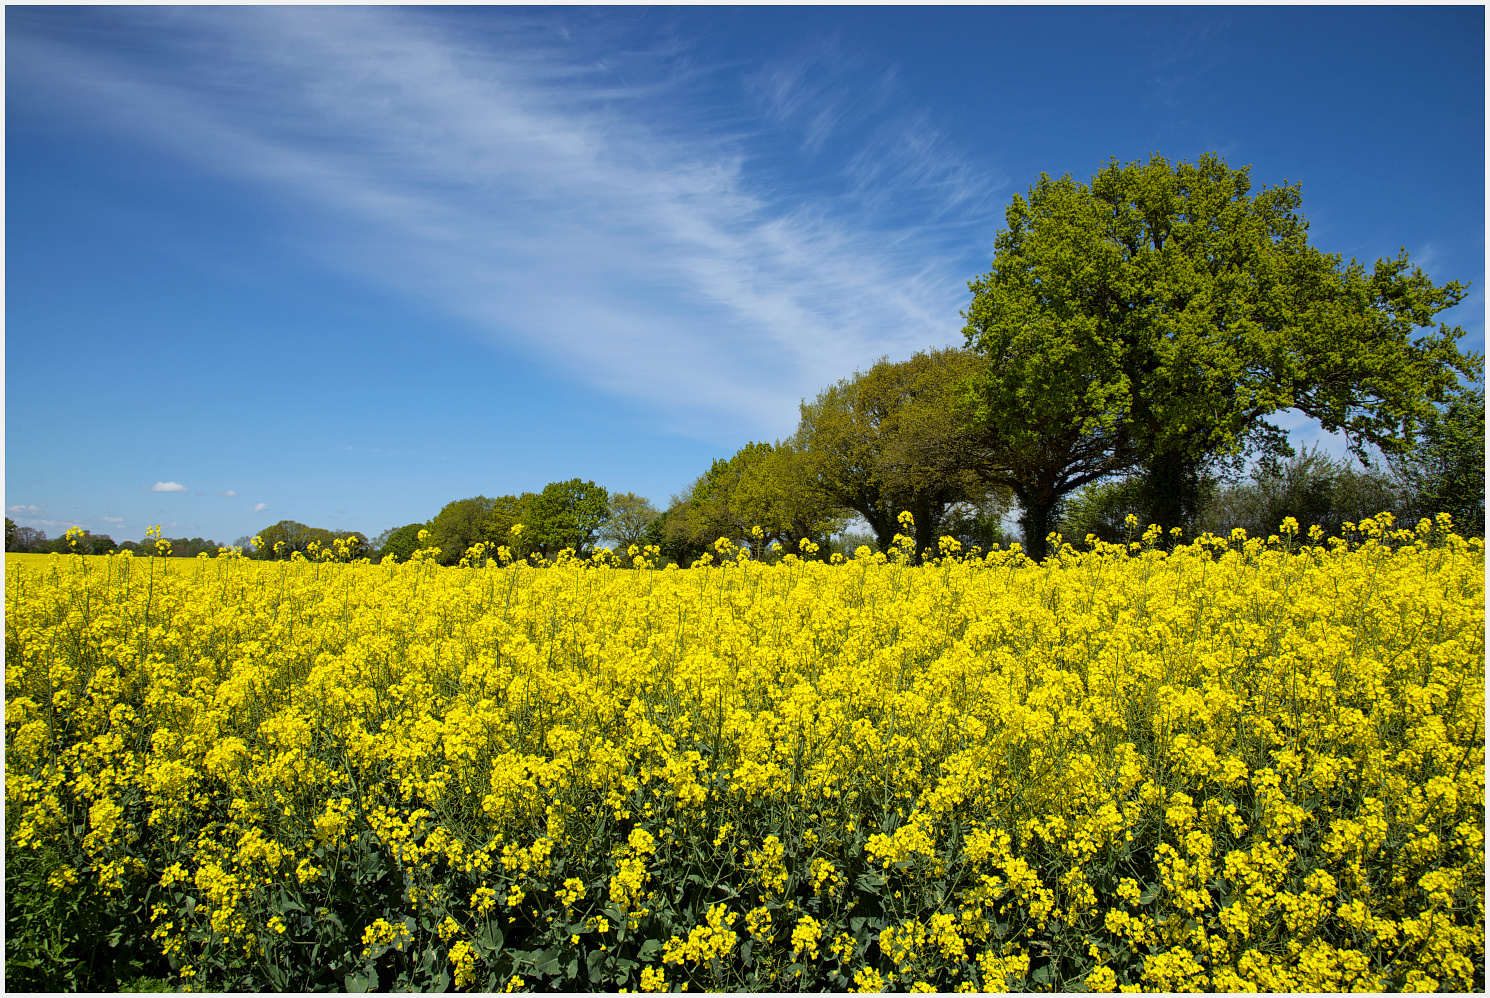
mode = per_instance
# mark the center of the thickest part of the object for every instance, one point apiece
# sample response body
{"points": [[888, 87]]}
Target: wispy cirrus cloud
{"points": [[816, 89], [572, 199]]}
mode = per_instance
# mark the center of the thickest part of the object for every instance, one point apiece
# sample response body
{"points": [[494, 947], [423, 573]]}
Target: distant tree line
{"points": [[575, 515], [287, 538], [31, 540]]}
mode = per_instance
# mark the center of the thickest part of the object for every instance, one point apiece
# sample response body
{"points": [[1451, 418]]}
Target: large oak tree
{"points": [[1154, 319]]}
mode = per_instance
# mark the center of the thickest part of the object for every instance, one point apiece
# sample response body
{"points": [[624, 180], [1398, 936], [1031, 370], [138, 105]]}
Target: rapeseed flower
{"points": [[1238, 763]]}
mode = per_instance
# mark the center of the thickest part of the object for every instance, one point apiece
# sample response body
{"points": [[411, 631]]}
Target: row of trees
{"points": [[1312, 486], [577, 515], [1127, 352], [883, 442], [32, 540], [287, 538], [573, 514]]}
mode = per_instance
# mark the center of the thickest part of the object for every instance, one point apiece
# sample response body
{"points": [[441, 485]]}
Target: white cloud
{"points": [[616, 232], [229, 494], [25, 510], [168, 487], [111, 519], [260, 507]]}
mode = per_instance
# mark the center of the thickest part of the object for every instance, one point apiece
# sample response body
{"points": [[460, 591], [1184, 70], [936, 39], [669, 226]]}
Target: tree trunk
{"points": [[1171, 491], [927, 529], [1035, 522]]}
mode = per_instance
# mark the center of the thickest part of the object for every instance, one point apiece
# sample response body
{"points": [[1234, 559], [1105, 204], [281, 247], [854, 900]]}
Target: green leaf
{"points": [[489, 940], [547, 962], [594, 963], [361, 982]]}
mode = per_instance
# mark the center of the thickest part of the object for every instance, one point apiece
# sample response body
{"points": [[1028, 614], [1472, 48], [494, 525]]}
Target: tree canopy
{"points": [[1126, 352], [33, 540], [507, 512], [398, 543], [459, 525], [766, 486], [630, 516], [286, 537], [894, 439], [1446, 472], [565, 515], [1156, 317]]}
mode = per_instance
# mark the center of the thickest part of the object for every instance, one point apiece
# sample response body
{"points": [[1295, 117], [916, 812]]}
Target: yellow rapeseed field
{"points": [[1231, 765]]}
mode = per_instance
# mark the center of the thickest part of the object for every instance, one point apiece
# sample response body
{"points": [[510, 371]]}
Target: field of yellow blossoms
{"points": [[1231, 764]]}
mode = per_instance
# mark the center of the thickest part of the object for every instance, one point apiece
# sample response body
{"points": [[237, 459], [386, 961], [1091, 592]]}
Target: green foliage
{"points": [[1101, 509], [506, 512], [285, 539], [1154, 319], [714, 508], [1312, 487], [672, 534], [184, 547], [630, 517], [765, 486], [77, 940], [849, 541], [398, 543], [1446, 472], [977, 525], [894, 439], [31, 540], [86, 542], [459, 525], [282, 539], [565, 515], [24, 539]]}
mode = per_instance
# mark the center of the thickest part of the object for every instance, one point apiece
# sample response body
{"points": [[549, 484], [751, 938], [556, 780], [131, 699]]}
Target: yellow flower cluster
{"points": [[709, 941], [1236, 764]]}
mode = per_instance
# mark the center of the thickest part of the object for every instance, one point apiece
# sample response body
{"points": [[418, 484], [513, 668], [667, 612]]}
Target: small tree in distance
{"points": [[630, 516], [565, 515], [458, 526]]}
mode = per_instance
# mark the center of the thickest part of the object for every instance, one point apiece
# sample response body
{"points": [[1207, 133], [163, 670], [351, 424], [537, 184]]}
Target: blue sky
{"points": [[345, 265]]}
